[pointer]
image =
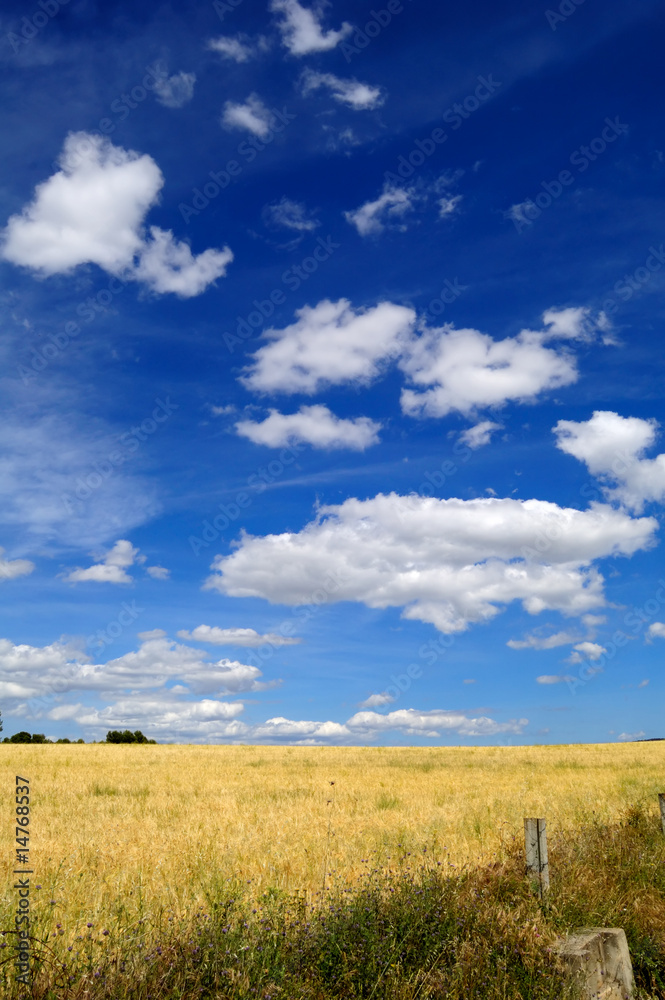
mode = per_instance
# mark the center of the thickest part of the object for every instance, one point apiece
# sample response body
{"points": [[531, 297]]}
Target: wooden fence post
{"points": [[535, 839], [661, 803]]}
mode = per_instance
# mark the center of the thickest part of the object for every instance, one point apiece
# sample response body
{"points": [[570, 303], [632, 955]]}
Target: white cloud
{"points": [[162, 717], [570, 324], [372, 217], [432, 723], [447, 562], [377, 701], [112, 569], [553, 679], [11, 568], [174, 91], [236, 636], [656, 629], [612, 447], [253, 116], [355, 95], [448, 206], [280, 728], [239, 48], [329, 344], [535, 641], [480, 435], [92, 211], [367, 725], [290, 214], [301, 28], [592, 621], [60, 668], [51, 488], [465, 370], [643, 684], [314, 425], [158, 572], [591, 650], [168, 265], [630, 737]]}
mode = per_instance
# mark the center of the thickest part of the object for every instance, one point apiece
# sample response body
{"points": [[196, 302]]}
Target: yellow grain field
{"points": [[118, 831]]}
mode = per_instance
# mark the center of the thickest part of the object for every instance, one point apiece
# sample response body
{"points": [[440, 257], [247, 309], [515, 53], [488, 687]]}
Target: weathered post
{"points": [[535, 839], [661, 803]]}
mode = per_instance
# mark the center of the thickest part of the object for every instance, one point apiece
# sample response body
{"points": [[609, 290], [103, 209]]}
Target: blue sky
{"points": [[332, 368]]}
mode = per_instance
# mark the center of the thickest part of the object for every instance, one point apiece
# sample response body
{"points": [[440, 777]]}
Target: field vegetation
{"points": [[192, 871]]}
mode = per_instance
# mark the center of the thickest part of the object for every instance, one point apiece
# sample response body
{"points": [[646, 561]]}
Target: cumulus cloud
{"points": [[236, 636], [92, 210], [466, 370], [612, 447], [111, 569], [553, 678], [12, 568], [301, 28], [377, 700], [158, 572], [174, 91], [480, 435], [569, 324], [590, 650], [631, 737], [159, 668], [367, 725], [330, 344], [314, 425], [168, 265], [238, 48], [372, 217], [252, 116], [290, 214], [447, 562], [432, 723], [355, 95], [162, 716], [535, 641], [657, 630]]}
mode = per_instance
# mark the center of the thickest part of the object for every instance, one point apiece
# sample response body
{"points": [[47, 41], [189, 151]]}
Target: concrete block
{"points": [[599, 958]]}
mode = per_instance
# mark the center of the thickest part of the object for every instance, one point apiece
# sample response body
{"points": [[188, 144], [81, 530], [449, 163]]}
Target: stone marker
{"points": [[599, 958]]}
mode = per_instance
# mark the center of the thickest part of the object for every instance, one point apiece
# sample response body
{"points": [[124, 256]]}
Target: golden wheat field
{"points": [[118, 831]]}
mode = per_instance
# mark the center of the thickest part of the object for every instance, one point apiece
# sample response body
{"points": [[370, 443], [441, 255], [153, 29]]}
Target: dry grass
{"points": [[124, 831]]}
